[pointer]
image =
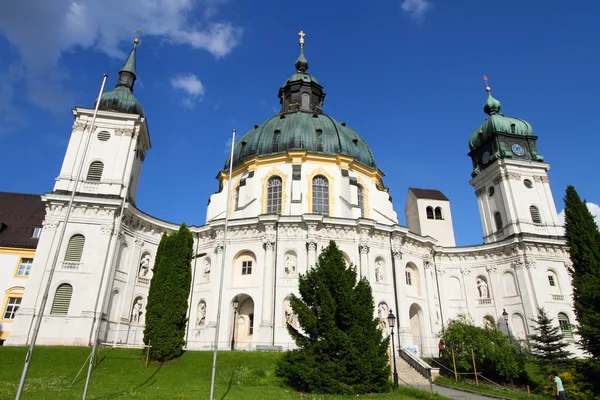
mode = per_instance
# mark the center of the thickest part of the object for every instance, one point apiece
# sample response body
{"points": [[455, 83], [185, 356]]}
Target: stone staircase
{"points": [[407, 375]]}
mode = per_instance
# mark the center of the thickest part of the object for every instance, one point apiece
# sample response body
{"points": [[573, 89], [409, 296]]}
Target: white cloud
{"points": [[191, 85], [416, 8], [594, 209], [42, 31]]}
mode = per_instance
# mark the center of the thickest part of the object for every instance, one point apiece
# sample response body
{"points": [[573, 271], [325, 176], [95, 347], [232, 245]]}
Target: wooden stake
{"points": [[474, 367], [528, 391], [148, 354], [454, 362]]}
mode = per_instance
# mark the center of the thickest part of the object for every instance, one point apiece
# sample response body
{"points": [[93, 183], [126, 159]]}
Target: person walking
{"points": [[441, 347], [558, 386]]}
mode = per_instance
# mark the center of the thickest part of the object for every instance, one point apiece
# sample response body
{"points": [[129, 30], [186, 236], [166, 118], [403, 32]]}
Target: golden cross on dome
{"points": [[138, 31], [302, 34], [487, 87]]}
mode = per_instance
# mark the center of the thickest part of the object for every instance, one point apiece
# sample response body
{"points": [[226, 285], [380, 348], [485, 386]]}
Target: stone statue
{"points": [[382, 314], [145, 265], [201, 319], [379, 271], [290, 317], [206, 276], [290, 267], [483, 289], [136, 312]]}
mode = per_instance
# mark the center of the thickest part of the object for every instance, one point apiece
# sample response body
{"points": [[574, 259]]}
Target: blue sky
{"points": [[405, 74]]}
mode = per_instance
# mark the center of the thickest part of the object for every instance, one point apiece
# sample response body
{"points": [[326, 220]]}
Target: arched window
{"points": [[438, 213], [429, 211], [274, 193], [320, 195], [565, 325], [62, 299], [95, 171], [75, 248], [535, 215], [498, 220], [361, 199]]}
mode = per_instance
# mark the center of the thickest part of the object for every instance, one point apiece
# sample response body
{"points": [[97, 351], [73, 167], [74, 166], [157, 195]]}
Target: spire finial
{"points": [[491, 106], [138, 31], [487, 87], [301, 63]]}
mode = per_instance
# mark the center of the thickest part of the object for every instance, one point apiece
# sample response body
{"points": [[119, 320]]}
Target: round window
{"points": [[528, 184], [491, 191]]}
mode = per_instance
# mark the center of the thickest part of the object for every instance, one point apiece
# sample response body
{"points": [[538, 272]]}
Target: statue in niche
{"points": [[145, 265], [201, 319], [382, 314], [290, 317], [483, 288], [379, 271], [136, 312], [290, 265], [206, 276], [487, 324]]}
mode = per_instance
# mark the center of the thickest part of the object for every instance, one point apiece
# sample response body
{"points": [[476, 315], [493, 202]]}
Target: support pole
{"points": [[454, 362], [216, 343], [474, 367], [38, 322]]}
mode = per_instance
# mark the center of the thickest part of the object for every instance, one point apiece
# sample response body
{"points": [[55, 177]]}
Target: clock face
{"points": [[518, 150], [486, 157]]}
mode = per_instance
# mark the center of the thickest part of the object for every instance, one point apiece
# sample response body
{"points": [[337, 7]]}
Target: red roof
{"points": [[19, 214]]}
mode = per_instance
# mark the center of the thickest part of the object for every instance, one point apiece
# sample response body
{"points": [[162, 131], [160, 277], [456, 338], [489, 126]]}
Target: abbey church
{"points": [[299, 180]]}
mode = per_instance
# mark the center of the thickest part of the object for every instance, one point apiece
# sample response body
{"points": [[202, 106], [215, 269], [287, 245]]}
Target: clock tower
{"points": [[511, 178]]}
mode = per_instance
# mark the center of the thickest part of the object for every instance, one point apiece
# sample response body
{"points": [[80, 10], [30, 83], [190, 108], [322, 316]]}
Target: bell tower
{"points": [[510, 178], [112, 160]]}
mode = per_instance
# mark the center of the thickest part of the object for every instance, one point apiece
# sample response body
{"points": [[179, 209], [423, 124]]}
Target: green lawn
{"points": [[120, 374]]}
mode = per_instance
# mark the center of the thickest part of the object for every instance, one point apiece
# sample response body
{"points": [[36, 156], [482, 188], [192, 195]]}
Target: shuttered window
{"points": [[535, 215], [62, 299], [75, 248], [498, 220], [95, 171]]}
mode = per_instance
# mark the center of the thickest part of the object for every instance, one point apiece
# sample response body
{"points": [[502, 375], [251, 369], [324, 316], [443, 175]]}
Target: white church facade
{"points": [[299, 180]]}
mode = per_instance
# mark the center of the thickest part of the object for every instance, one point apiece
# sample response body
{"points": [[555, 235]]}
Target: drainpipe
{"points": [[395, 291], [437, 284], [187, 331]]}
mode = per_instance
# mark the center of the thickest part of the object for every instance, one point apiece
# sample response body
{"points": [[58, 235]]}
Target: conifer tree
{"points": [[583, 239], [547, 344], [340, 347], [166, 309]]}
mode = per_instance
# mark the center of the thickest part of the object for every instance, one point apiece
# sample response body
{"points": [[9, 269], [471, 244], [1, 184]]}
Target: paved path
{"points": [[457, 394]]}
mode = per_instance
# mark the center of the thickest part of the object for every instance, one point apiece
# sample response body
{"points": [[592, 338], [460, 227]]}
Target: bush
{"points": [[497, 357]]}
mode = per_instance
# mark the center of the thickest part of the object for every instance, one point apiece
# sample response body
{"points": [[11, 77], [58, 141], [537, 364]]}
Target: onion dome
{"points": [[497, 123], [302, 125], [121, 98]]}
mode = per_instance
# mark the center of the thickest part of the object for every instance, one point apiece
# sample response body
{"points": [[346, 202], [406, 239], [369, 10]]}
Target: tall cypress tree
{"points": [[547, 343], [341, 349], [583, 239], [166, 311]]}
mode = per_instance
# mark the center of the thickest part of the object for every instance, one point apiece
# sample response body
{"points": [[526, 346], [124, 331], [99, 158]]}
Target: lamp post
{"points": [[505, 315], [235, 303], [392, 322]]}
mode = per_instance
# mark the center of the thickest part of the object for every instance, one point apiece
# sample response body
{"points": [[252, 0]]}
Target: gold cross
{"points": [[302, 34]]}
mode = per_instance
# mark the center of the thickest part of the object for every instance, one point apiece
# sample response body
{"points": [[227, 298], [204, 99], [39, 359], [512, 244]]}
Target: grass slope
{"points": [[120, 374]]}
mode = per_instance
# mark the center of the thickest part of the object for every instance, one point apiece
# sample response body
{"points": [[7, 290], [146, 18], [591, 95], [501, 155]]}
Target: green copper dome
{"points": [[315, 133], [498, 123], [121, 98], [302, 125]]}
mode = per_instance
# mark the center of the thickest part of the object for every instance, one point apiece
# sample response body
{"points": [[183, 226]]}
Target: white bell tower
{"points": [[511, 178]]}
